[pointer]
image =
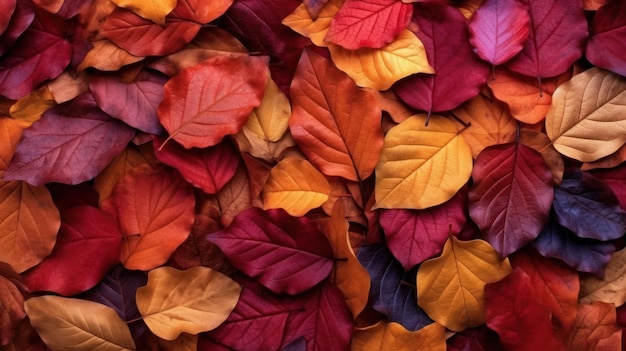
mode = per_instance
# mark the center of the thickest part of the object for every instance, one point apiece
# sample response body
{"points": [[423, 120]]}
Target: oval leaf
{"points": [[154, 10], [300, 21], [393, 337], [608, 30], [586, 120], [208, 101], [172, 302], [67, 324], [286, 254], [450, 288], [421, 166], [295, 186]]}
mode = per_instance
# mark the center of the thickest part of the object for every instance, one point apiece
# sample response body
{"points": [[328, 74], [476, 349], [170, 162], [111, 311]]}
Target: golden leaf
{"points": [[421, 166], [153, 10], [380, 68], [29, 109], [192, 301], [301, 22], [76, 325], [587, 119], [610, 289], [450, 288], [391, 336]]}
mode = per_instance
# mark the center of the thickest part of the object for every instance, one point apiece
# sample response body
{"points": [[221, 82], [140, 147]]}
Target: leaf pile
{"points": [[186, 175]]}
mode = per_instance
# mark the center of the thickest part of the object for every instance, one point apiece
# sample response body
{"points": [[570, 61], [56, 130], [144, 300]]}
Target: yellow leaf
{"points": [[391, 336], [29, 109], [295, 186], [75, 325], [191, 301], [610, 289], [421, 166], [380, 68], [587, 119], [153, 10], [271, 118], [10, 134], [301, 22], [450, 288], [348, 274]]}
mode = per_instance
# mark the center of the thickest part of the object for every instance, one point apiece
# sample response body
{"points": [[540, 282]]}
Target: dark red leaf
{"points": [[615, 178], [7, 7], [584, 255], [135, 103], [513, 311], [23, 16], [286, 254], [391, 292], [21, 69], [12, 304], [557, 36], [606, 40], [511, 196], [475, 339], [368, 23], [416, 235], [208, 169], [588, 207], [498, 29], [71, 143], [67, 196], [88, 245], [459, 72]]}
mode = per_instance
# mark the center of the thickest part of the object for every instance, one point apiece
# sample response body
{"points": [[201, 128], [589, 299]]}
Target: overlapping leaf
{"points": [[427, 163], [511, 196], [609, 288], [596, 328], [198, 112], [171, 302], [339, 137], [154, 10], [608, 29], [393, 337], [12, 302], [285, 253], [585, 120], [314, 28]]}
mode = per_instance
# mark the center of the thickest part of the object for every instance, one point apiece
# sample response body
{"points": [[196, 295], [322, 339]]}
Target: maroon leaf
{"points": [[134, 102], [475, 339], [368, 23], [443, 30], [23, 16], [67, 196], [11, 305], [557, 35], [615, 178], [606, 42], [208, 169], [416, 235], [498, 30], [88, 245], [21, 69], [286, 254], [511, 197], [71, 143], [7, 7]]}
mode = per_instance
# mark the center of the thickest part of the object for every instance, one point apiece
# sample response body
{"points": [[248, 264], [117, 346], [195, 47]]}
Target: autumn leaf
{"points": [[393, 337], [154, 10], [152, 229], [431, 163], [74, 324], [270, 119], [197, 112], [301, 21], [608, 289], [596, 328], [450, 288], [170, 305], [12, 302], [584, 121], [295, 186], [606, 30], [29, 109], [106, 56]]}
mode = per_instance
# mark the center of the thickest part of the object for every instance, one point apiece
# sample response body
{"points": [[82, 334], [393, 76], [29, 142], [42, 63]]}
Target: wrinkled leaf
{"points": [[609, 289]]}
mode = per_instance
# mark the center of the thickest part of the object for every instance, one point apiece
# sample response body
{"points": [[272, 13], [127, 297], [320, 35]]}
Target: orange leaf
{"points": [[300, 21], [29, 109], [341, 137], [542, 144], [154, 208], [10, 134], [154, 10], [596, 328], [208, 101], [107, 56], [391, 336], [68, 86]]}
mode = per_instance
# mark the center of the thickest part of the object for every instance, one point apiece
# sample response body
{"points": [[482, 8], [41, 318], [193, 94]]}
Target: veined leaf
{"points": [[70, 324], [450, 288], [586, 120], [608, 29], [391, 336], [596, 328], [192, 301], [154, 10], [300, 20], [610, 288], [422, 166]]}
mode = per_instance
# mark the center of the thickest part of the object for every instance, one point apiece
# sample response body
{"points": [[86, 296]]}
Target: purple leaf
{"points": [[23, 16], [7, 7], [391, 292]]}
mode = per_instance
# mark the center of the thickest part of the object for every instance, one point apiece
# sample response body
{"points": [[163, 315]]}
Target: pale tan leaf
{"points": [[611, 289]]}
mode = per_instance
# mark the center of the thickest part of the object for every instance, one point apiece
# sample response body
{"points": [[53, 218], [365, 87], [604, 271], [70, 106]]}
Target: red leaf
{"points": [[368, 23], [511, 196], [286, 254], [443, 31], [88, 245], [555, 285], [71, 143], [340, 137], [513, 311], [596, 328], [475, 339], [208, 101], [21, 69], [614, 178], [12, 311], [22, 18], [134, 102], [416, 235], [208, 169], [498, 30], [7, 8], [557, 34], [606, 42], [154, 208]]}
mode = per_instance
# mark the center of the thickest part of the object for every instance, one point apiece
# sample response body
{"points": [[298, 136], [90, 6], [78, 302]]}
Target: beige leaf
{"points": [[611, 289]]}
